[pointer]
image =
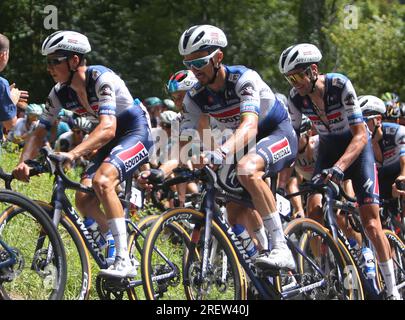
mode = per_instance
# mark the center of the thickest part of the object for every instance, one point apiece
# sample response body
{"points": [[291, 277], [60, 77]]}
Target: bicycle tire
{"points": [[78, 283], [351, 285], [39, 271], [175, 216], [398, 249]]}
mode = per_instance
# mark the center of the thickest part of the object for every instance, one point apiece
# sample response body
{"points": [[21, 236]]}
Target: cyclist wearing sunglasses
{"points": [[345, 150], [121, 134], [243, 104]]}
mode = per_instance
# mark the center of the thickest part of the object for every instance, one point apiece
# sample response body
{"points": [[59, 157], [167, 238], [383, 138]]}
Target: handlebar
{"points": [[58, 160]]}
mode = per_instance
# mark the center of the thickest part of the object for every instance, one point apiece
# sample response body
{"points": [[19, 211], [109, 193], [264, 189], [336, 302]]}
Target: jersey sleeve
{"points": [[351, 104], [248, 90], [105, 91], [190, 118], [8, 109], [52, 108]]}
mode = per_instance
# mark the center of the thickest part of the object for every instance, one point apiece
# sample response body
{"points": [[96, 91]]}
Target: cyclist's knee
{"points": [[102, 184]]}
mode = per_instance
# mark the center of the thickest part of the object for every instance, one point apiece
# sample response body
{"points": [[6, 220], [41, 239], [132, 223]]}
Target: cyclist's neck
{"points": [[219, 83]]}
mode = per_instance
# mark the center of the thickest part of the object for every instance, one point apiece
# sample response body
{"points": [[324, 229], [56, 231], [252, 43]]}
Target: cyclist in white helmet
{"points": [[345, 150], [388, 141], [244, 106], [121, 135]]}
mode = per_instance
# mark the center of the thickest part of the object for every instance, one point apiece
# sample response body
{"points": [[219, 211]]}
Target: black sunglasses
{"points": [[55, 61]]}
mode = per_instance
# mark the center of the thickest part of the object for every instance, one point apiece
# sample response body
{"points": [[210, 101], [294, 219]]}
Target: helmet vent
{"points": [[198, 38], [57, 41], [294, 56]]}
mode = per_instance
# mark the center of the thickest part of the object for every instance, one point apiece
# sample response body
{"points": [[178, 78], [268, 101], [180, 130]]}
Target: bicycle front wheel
{"points": [[171, 258], [39, 270], [319, 258]]}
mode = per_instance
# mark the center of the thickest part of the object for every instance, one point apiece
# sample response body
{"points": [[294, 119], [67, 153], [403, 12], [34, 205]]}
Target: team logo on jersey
{"points": [[95, 74], [280, 150], [133, 156], [248, 89], [229, 116], [389, 154], [349, 99], [234, 77], [337, 82], [105, 90]]}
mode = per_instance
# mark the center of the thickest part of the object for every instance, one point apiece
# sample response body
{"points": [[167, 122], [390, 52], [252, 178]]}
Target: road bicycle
{"points": [[217, 266], [32, 256], [334, 198], [78, 241]]}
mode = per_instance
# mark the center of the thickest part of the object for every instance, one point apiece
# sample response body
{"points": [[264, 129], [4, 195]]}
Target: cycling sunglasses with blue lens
{"points": [[200, 62], [55, 61]]}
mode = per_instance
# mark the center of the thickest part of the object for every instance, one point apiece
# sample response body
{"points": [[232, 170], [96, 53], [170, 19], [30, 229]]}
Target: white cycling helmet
{"points": [[70, 41], [182, 80], [298, 56], [34, 109], [371, 105], [201, 37], [83, 124], [168, 117]]}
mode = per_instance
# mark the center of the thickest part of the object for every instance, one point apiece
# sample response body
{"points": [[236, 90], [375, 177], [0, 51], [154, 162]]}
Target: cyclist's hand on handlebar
{"points": [[65, 157], [335, 174], [22, 172], [143, 181], [398, 187], [212, 158]]}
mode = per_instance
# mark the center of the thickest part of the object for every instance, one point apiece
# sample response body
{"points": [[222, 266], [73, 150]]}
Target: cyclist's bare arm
{"points": [[100, 136]]}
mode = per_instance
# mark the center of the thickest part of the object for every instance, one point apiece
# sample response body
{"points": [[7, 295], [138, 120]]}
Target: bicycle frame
{"points": [[265, 292]]}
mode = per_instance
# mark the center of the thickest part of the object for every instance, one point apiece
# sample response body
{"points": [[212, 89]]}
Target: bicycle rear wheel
{"points": [[40, 269], [322, 260], [181, 260]]}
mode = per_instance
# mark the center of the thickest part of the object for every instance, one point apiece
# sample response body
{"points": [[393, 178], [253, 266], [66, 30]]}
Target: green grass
{"points": [[40, 188]]}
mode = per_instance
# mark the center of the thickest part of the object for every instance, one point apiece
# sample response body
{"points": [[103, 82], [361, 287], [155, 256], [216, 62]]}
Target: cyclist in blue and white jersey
{"points": [[345, 150], [388, 140], [121, 135], [243, 103]]}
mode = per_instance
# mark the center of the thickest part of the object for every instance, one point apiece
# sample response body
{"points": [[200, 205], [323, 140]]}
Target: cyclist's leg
{"points": [[365, 183], [273, 153], [250, 219], [132, 152], [89, 206]]}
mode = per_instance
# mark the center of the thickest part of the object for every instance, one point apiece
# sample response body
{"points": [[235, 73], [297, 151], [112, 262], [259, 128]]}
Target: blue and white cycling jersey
{"points": [[244, 92], [341, 109], [107, 95], [392, 147]]}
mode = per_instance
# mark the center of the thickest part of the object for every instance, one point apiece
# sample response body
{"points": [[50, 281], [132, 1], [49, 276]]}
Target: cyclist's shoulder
{"points": [[336, 80]]}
